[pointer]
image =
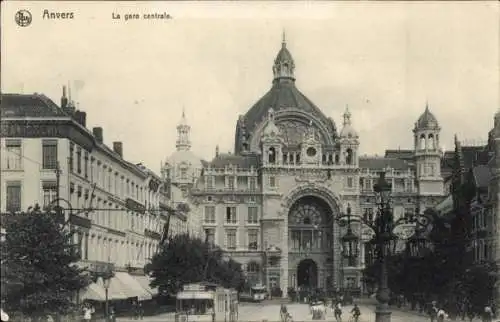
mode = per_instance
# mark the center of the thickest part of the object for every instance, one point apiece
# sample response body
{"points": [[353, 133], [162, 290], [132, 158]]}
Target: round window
{"points": [[311, 152]]}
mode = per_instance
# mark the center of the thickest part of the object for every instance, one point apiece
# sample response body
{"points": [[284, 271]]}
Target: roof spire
{"points": [[283, 68], [347, 115], [183, 142]]}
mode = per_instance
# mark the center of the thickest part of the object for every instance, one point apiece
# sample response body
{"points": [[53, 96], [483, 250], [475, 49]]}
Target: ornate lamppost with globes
{"points": [[384, 240]]}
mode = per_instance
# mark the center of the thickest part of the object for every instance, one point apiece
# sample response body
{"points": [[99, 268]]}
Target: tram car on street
{"points": [[258, 293], [206, 302]]}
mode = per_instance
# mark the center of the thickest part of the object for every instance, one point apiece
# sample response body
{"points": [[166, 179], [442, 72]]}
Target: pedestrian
{"points": [[433, 310], [140, 310], [441, 315], [487, 314], [338, 312], [112, 314], [283, 313], [356, 313], [88, 310]]}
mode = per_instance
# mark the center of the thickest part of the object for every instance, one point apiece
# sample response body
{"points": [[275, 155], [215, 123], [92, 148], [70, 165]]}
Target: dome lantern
{"points": [[427, 120], [284, 66], [183, 142], [347, 130]]}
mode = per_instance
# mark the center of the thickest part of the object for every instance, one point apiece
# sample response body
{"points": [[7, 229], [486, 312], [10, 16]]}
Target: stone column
{"points": [[337, 260], [284, 257]]}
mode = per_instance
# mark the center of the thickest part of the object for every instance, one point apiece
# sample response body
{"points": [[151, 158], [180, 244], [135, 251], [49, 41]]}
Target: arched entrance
{"points": [[310, 231], [307, 274]]}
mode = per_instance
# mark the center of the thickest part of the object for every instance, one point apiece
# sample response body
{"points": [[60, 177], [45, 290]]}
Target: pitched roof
{"points": [[240, 161], [29, 105], [382, 163], [400, 154]]}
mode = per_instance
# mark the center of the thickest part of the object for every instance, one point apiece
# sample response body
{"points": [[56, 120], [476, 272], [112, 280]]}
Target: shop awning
{"points": [[93, 292], [144, 282], [131, 286], [114, 290]]}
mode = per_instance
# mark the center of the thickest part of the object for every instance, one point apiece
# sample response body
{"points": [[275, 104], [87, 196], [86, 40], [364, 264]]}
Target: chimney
{"points": [[118, 148], [84, 119], [217, 151], [64, 99], [97, 131], [78, 117]]}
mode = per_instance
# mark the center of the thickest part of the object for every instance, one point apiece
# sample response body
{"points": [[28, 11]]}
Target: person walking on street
{"points": [[112, 314], [487, 314], [356, 313], [338, 312], [433, 310], [140, 310], [283, 313], [88, 310], [441, 315]]}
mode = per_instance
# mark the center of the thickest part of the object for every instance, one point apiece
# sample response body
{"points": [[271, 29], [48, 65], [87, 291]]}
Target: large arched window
{"points": [[310, 222], [310, 210]]}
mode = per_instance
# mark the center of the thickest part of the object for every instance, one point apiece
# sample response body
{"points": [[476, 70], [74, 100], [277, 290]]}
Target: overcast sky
{"points": [[383, 59]]}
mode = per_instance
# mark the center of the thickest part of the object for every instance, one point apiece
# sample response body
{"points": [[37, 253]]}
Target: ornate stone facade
{"points": [[272, 204]]}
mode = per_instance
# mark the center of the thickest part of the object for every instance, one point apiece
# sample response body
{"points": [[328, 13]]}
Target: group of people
{"points": [[337, 311], [438, 314]]}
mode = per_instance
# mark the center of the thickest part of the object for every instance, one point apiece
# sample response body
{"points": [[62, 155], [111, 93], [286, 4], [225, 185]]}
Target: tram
{"points": [[206, 302], [258, 293]]}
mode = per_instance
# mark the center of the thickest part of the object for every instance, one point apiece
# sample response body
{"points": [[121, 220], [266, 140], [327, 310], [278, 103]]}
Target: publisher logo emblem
{"points": [[23, 18]]}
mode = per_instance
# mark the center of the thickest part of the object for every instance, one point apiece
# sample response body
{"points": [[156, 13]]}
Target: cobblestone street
{"points": [[300, 312]]}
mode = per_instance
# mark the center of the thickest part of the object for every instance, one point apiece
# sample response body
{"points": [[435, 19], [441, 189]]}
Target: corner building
{"points": [[271, 205]]}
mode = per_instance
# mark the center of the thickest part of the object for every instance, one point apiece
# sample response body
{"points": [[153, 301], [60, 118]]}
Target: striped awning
{"points": [[144, 282], [115, 289], [131, 286], [93, 292]]}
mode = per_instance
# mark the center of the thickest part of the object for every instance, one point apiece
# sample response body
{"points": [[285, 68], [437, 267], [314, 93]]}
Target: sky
{"points": [[384, 60]]}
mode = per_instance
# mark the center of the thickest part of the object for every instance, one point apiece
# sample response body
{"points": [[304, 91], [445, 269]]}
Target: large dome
{"points": [[282, 95], [285, 97], [185, 157]]}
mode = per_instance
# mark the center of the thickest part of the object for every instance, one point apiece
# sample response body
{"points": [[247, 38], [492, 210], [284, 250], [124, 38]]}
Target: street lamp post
{"points": [[384, 240], [106, 282]]}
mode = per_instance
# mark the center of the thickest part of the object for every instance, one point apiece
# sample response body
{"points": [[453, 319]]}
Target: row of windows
{"points": [[14, 198], [230, 215], [230, 238], [106, 213], [233, 182], [482, 219], [369, 214], [13, 156], [294, 157], [399, 184], [106, 177], [104, 249], [481, 250]]}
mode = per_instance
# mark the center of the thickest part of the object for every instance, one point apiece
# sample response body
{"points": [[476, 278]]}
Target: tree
{"points": [[184, 260], [39, 271]]}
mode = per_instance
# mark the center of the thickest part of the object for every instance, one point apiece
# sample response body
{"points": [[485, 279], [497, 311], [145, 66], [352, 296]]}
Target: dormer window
{"points": [[272, 155]]}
